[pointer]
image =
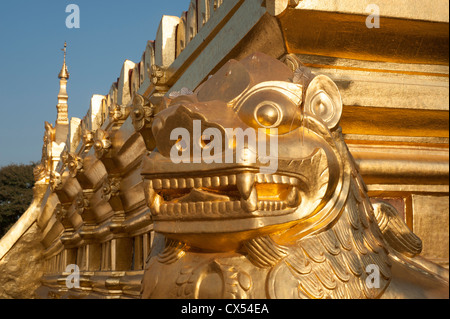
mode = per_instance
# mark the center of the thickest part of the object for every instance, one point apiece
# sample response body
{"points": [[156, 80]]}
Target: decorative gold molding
{"points": [[119, 113], [111, 188], [81, 203], [39, 172], [102, 143], [142, 113], [74, 164], [55, 181], [88, 138]]}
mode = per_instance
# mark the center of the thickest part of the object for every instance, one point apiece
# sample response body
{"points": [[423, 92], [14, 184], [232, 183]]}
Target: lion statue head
{"points": [[256, 195]]}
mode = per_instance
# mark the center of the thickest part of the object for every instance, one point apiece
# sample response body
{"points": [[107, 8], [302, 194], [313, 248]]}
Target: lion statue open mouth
{"points": [[257, 196]]}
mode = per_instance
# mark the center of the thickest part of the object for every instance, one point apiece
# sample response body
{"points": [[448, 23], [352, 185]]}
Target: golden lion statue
{"points": [[289, 215]]}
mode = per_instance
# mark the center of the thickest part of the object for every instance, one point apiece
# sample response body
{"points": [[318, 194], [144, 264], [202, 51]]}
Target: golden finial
{"points": [[64, 50], [64, 74]]}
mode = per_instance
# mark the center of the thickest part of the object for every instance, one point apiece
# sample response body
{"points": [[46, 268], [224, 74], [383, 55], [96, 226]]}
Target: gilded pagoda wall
{"points": [[395, 122]]}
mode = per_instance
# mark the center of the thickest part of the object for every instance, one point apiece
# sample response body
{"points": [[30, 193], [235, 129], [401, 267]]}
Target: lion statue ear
{"points": [[323, 101]]}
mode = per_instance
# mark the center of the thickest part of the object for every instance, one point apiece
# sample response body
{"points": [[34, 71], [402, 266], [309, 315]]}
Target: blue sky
{"points": [[32, 34]]}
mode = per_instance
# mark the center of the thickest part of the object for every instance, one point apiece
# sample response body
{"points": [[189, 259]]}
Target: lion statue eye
{"points": [[268, 114], [271, 105]]}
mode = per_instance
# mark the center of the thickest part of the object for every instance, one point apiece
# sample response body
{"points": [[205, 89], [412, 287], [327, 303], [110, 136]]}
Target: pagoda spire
{"points": [[62, 106]]}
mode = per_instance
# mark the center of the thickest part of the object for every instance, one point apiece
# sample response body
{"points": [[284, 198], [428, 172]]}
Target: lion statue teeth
{"points": [[291, 221]]}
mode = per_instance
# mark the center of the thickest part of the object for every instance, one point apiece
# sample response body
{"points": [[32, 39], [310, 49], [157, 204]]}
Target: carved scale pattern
{"points": [[332, 263]]}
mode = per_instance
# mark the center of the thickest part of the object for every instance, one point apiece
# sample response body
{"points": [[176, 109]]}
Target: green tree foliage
{"points": [[16, 193]]}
